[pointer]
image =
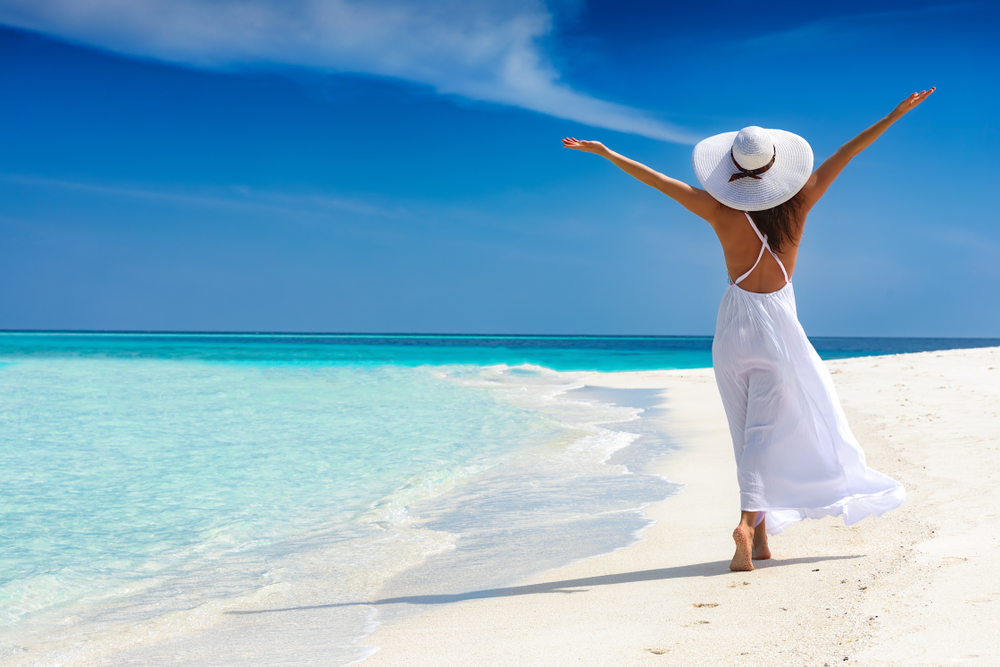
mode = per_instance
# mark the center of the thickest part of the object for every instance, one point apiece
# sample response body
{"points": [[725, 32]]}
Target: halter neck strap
{"points": [[763, 241]]}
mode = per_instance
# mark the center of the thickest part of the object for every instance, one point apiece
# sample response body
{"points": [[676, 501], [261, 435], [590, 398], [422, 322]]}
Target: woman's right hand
{"points": [[585, 146], [911, 103], [821, 179]]}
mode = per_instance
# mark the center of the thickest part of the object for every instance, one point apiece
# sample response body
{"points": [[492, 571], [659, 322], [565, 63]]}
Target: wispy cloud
{"points": [[235, 197], [487, 50], [374, 216]]}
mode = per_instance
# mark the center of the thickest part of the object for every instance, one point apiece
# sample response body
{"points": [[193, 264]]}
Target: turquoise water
{"points": [[560, 353], [148, 492], [157, 484], [117, 469]]}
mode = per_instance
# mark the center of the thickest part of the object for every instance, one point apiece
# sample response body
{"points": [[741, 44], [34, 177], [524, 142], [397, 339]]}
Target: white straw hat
{"points": [[753, 169]]}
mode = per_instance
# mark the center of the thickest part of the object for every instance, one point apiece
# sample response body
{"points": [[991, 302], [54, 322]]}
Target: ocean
{"points": [[195, 497]]}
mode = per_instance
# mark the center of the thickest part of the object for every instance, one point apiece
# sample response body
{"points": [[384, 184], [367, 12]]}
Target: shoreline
{"points": [[872, 593], [608, 516], [560, 487]]}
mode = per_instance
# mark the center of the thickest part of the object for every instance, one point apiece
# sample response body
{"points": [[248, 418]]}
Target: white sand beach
{"points": [[919, 586]]}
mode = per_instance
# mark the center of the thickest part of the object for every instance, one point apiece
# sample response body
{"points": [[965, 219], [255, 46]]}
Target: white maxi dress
{"points": [[796, 457]]}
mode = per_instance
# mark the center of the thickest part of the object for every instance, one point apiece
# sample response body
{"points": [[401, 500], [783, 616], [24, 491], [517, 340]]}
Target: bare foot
{"points": [[760, 550], [742, 559]]}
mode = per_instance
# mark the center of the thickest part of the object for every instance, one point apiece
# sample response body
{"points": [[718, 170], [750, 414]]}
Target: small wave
{"points": [[290, 490]]}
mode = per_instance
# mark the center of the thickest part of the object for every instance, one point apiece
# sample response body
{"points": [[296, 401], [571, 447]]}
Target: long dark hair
{"points": [[780, 223]]}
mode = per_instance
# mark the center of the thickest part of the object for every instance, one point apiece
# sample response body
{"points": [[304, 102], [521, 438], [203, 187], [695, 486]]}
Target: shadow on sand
{"points": [[712, 569]]}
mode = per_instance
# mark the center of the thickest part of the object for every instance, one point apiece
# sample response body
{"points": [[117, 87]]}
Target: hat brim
{"points": [[791, 169]]}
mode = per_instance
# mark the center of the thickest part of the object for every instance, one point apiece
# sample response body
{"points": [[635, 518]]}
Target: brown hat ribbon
{"points": [[750, 173]]}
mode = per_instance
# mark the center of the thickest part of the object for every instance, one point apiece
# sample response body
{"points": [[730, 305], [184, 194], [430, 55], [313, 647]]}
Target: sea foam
{"points": [[166, 509]]}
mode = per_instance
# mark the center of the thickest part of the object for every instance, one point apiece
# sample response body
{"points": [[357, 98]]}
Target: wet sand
{"points": [[919, 586]]}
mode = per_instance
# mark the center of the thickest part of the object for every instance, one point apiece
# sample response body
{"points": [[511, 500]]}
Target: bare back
{"points": [[741, 247]]}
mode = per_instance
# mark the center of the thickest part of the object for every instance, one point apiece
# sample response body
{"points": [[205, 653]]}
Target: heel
{"points": [[742, 560]]}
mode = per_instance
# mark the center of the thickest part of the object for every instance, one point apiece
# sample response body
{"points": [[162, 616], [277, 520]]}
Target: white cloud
{"points": [[484, 50], [236, 197]]}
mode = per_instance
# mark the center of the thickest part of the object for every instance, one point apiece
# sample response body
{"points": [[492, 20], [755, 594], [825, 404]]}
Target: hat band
{"points": [[750, 173]]}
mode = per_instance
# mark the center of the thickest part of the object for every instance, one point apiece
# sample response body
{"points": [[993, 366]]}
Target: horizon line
{"points": [[152, 332]]}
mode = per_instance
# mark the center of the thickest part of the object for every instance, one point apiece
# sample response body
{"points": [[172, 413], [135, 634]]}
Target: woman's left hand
{"points": [[585, 146]]}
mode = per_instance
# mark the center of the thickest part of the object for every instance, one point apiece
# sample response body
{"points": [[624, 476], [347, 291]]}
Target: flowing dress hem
{"points": [[853, 508]]}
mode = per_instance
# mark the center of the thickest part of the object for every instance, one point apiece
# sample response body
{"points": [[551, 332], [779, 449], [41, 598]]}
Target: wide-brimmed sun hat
{"points": [[753, 169]]}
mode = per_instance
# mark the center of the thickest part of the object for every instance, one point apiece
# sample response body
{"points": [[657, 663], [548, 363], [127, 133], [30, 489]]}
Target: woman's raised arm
{"points": [[827, 173], [697, 201]]}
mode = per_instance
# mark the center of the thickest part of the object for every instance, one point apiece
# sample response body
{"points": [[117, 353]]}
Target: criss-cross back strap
{"points": [[763, 241]]}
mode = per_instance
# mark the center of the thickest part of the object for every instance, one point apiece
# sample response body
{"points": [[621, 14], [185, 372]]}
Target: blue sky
{"points": [[390, 166]]}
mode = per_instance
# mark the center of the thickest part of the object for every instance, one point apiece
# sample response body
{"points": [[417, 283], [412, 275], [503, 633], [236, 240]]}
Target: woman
{"points": [[796, 457]]}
